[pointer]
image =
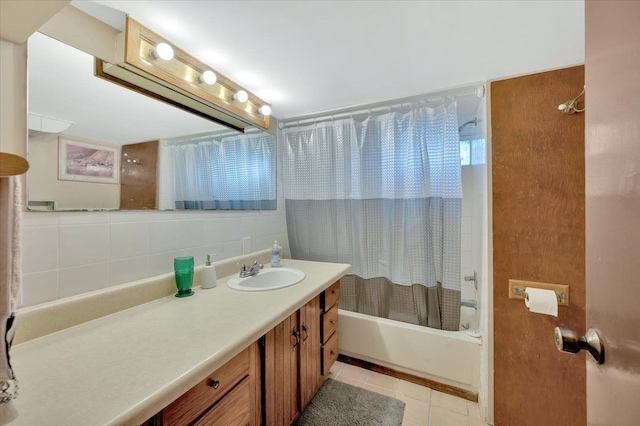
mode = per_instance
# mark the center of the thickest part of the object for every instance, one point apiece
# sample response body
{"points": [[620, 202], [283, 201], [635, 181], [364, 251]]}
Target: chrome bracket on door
{"points": [[568, 340]]}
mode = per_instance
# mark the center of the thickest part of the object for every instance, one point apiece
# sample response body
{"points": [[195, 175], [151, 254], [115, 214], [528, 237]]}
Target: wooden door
{"points": [[538, 235], [613, 209], [138, 169]]}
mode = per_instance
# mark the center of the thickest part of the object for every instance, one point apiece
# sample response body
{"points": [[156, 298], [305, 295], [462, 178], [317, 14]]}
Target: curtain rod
{"points": [[475, 90], [216, 134]]}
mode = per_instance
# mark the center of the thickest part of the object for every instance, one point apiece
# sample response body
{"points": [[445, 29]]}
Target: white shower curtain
{"points": [[384, 195]]}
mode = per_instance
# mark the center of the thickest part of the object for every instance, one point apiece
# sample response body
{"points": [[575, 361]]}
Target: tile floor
{"points": [[423, 406]]}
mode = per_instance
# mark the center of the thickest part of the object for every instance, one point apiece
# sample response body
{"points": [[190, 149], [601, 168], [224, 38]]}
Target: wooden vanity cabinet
{"points": [[270, 382], [298, 354]]}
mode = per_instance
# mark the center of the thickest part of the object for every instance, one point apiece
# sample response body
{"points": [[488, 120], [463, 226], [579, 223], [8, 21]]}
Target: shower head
{"points": [[474, 122]]}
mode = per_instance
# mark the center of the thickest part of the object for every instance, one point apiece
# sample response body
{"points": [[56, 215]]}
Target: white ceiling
{"points": [[312, 56]]}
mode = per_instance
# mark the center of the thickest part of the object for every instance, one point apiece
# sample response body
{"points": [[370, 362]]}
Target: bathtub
{"points": [[448, 357]]}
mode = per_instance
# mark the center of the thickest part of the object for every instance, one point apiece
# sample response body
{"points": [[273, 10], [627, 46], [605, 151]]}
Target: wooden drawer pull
{"points": [[214, 384]]}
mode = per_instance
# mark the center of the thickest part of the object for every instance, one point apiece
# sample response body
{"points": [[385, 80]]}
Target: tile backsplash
{"points": [[74, 252]]}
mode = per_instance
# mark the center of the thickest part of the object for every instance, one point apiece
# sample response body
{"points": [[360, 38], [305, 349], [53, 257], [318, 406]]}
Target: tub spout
{"points": [[470, 303]]}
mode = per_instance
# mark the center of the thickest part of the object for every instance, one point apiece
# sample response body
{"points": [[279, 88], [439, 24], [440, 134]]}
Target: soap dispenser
{"points": [[275, 255], [209, 278]]}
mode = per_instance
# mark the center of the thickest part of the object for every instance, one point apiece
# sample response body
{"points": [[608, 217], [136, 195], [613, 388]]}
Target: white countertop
{"points": [[125, 367]]}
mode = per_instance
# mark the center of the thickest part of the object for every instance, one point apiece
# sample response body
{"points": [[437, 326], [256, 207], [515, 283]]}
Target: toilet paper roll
{"points": [[542, 301]]}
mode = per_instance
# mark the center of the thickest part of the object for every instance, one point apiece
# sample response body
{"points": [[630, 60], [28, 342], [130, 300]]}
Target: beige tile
{"points": [[408, 423], [476, 422], [336, 368], [421, 393], [355, 373], [382, 391], [473, 409], [415, 412], [449, 402], [382, 381], [350, 381], [442, 417]]}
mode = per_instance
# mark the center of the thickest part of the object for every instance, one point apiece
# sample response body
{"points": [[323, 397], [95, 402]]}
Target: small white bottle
{"points": [[275, 255], [209, 278]]}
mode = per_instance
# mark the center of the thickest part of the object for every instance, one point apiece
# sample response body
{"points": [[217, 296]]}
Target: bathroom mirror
{"points": [[94, 145]]}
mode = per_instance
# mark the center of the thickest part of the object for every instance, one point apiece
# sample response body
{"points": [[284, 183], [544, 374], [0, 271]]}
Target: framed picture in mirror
{"points": [[84, 162]]}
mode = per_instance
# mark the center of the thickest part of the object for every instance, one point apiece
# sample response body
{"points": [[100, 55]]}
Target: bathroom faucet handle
{"points": [[257, 265], [243, 267]]}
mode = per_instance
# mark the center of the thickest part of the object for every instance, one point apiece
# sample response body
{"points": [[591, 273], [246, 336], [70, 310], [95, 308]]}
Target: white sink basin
{"points": [[268, 279]]}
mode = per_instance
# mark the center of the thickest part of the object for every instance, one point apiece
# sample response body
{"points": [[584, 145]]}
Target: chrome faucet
{"points": [[244, 272]]}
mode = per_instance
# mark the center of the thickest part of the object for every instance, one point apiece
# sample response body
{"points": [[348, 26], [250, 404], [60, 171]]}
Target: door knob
{"points": [[568, 340]]}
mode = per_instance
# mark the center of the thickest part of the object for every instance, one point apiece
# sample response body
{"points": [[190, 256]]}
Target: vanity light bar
{"points": [[181, 80]]}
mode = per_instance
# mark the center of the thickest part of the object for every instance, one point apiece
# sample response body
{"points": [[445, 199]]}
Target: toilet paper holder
{"points": [[517, 290]]}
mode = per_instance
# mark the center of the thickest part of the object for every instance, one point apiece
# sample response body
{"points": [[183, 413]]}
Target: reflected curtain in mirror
{"points": [[209, 172]]}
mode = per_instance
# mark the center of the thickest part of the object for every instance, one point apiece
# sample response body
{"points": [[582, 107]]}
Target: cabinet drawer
{"points": [[232, 410], [330, 296], [203, 395], [329, 353], [329, 323]]}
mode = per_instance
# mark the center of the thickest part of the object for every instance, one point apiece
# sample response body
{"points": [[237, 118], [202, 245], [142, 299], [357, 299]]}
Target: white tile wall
{"points": [[473, 192], [74, 252], [83, 244], [80, 279]]}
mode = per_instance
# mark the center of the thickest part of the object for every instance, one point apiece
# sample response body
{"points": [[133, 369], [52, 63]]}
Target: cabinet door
{"points": [[292, 368], [310, 351], [282, 361]]}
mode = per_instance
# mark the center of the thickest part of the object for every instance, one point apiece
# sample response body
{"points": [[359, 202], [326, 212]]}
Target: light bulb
{"points": [[562, 107], [208, 77], [265, 110], [163, 51], [241, 96]]}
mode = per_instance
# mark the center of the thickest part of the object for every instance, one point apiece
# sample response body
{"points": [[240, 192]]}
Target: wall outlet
{"points": [[246, 245]]}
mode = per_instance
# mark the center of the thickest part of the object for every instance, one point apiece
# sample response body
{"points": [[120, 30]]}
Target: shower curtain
{"points": [[384, 195]]}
